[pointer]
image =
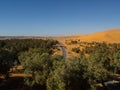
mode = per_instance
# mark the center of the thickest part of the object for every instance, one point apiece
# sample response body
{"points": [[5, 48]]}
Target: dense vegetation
{"points": [[95, 63], [10, 50], [105, 53]]}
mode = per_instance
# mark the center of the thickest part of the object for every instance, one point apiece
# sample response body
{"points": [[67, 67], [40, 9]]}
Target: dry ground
{"points": [[109, 36]]}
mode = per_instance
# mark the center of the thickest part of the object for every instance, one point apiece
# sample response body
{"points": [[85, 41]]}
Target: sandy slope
{"points": [[112, 36]]}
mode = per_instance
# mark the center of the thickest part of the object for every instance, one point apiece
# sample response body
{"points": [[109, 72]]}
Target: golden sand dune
{"points": [[112, 36]]}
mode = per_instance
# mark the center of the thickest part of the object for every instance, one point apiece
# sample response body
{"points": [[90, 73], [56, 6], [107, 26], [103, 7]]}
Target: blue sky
{"points": [[57, 17]]}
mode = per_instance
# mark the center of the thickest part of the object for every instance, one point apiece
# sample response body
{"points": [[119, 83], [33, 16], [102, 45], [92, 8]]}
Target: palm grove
{"points": [[54, 72]]}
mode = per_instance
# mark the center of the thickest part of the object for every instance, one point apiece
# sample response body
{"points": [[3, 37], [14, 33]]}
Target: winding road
{"points": [[64, 52]]}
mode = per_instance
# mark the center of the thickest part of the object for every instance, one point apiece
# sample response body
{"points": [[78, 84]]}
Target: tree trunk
{"points": [[104, 86]]}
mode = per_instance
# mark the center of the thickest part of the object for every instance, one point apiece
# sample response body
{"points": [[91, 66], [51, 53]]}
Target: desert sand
{"points": [[109, 36]]}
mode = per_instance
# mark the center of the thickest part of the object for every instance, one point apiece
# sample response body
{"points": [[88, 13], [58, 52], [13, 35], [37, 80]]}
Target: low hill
{"points": [[112, 36]]}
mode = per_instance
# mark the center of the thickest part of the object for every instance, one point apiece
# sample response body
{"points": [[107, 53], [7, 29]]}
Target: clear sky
{"points": [[57, 17]]}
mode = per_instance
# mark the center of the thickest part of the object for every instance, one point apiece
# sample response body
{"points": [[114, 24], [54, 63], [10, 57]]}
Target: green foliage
{"points": [[69, 42], [115, 63], [73, 42], [75, 74], [56, 73], [6, 61], [105, 54], [36, 63], [11, 49], [76, 50]]}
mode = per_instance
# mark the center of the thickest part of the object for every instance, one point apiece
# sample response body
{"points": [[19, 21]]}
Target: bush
{"points": [[76, 50]]}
